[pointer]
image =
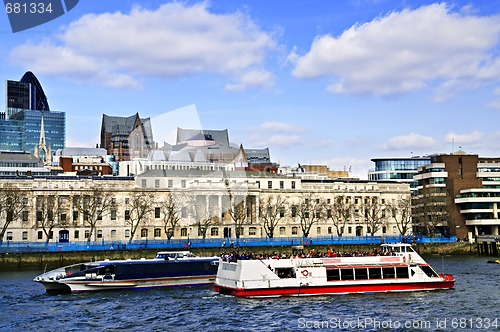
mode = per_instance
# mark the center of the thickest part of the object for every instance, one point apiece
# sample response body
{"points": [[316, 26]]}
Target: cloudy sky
{"points": [[316, 81]]}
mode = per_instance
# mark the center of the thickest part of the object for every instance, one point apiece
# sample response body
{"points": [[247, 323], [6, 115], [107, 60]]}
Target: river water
{"points": [[472, 305]]}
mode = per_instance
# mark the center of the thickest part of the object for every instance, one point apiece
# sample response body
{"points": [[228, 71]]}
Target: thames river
{"points": [[472, 305]]}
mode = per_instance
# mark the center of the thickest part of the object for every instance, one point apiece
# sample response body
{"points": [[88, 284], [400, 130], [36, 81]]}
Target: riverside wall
{"points": [[47, 261]]}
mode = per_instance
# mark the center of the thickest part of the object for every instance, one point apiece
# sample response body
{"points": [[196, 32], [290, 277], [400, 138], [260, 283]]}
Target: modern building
{"points": [[126, 138], [397, 169], [458, 194], [21, 125]]}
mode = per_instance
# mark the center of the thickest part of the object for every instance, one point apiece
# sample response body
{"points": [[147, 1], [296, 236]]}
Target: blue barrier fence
{"points": [[13, 247]]}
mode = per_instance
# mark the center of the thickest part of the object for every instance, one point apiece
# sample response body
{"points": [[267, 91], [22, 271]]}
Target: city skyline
{"points": [[318, 82]]}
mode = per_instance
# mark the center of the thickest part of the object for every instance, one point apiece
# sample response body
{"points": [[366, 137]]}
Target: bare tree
{"points": [[204, 214], [49, 211], [171, 208], [272, 210], [430, 212], [93, 205], [236, 205], [340, 211], [400, 210], [141, 204], [13, 202], [374, 218], [310, 211]]}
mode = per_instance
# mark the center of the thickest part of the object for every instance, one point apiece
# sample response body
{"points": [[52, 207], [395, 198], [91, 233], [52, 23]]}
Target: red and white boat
{"points": [[399, 268]]}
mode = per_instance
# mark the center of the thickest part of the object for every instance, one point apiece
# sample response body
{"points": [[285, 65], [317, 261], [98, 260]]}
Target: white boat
{"points": [[167, 269], [398, 268]]}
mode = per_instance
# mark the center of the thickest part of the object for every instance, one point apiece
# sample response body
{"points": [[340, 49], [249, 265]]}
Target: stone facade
{"points": [[208, 203]]}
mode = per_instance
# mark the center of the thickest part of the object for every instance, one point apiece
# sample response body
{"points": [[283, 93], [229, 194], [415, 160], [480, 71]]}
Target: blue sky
{"points": [[318, 81]]}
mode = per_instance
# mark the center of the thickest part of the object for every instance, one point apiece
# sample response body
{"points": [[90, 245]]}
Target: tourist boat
{"points": [[167, 269], [398, 268]]}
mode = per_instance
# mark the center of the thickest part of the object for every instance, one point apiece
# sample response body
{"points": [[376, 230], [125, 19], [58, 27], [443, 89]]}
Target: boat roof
{"points": [[396, 245]]}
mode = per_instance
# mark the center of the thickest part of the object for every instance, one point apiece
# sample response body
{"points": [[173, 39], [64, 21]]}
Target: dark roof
{"points": [[39, 99], [220, 136]]}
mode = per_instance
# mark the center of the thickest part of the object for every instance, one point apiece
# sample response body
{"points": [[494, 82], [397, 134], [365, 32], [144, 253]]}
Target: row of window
{"points": [[213, 232]]}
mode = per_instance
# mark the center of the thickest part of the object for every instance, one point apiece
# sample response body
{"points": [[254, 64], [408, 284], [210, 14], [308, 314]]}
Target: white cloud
{"points": [[276, 135], [406, 51], [116, 49], [252, 79], [411, 142], [473, 139]]}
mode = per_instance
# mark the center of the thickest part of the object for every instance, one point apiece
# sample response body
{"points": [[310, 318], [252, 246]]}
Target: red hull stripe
{"points": [[327, 290]]}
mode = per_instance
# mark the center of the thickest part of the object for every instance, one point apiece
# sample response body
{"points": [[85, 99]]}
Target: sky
{"points": [[316, 81]]}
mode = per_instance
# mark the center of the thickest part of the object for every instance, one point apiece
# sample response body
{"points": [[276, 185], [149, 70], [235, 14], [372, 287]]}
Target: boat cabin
{"points": [[166, 255]]}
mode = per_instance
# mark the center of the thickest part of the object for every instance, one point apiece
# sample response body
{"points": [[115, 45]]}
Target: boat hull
{"points": [[447, 283], [88, 286]]}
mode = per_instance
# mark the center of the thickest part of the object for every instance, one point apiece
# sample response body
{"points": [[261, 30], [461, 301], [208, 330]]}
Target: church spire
{"points": [[42, 146]]}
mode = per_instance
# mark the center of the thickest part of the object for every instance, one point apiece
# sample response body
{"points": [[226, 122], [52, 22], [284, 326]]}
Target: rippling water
{"points": [[473, 303]]}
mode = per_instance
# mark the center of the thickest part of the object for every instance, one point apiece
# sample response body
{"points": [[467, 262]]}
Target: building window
{"points": [[113, 214], [144, 232], [329, 231], [113, 200], [40, 235], [127, 214], [113, 233], [77, 234], [25, 216], [282, 184], [63, 217], [293, 184], [183, 183], [25, 236], [318, 230], [99, 234], [170, 183], [282, 212], [75, 215], [349, 230], [157, 232], [127, 200], [157, 183], [9, 236], [87, 233], [157, 212], [294, 211], [184, 231], [99, 215], [127, 233], [252, 231], [143, 183], [294, 230], [270, 184], [282, 231], [214, 231], [184, 212]]}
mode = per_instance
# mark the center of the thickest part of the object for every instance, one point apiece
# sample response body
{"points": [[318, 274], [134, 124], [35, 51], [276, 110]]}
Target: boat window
{"points": [[361, 273], [285, 273], [388, 272], [429, 271], [402, 272], [347, 274], [375, 273], [333, 274]]}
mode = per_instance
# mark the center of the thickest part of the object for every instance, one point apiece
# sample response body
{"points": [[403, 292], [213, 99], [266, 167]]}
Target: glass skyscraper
{"points": [[397, 169], [20, 124]]}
